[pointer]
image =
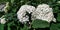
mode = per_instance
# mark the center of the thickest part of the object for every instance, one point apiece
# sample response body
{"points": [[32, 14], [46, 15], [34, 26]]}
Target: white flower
{"points": [[43, 12], [21, 14], [2, 20]]}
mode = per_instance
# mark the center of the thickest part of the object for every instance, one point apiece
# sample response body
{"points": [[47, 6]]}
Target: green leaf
{"points": [[1, 27], [39, 24], [55, 26], [25, 27], [14, 10], [10, 24], [55, 9], [58, 17], [12, 1]]}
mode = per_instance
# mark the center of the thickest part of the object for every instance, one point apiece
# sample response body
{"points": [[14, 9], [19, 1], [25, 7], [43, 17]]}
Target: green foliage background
{"points": [[14, 24]]}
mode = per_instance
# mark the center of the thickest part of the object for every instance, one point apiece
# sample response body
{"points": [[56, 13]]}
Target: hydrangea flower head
{"points": [[43, 12], [21, 14]]}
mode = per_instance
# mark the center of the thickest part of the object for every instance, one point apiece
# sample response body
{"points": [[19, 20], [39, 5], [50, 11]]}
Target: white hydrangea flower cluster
{"points": [[2, 20], [21, 14], [43, 12]]}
